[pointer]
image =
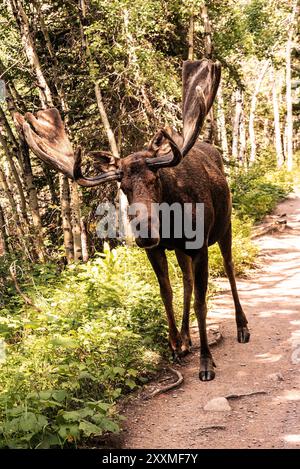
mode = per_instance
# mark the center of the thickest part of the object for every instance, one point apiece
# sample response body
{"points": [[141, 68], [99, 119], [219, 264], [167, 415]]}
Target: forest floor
{"points": [[269, 364]]}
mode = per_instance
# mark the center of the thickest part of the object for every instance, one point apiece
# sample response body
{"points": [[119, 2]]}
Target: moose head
{"points": [[138, 173]]}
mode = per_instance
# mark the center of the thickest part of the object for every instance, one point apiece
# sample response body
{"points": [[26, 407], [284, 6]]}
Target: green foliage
{"points": [[243, 250], [100, 330], [257, 191]]}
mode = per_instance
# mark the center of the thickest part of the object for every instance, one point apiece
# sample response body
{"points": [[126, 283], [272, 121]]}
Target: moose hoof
{"points": [[177, 357], [243, 335], [207, 369]]}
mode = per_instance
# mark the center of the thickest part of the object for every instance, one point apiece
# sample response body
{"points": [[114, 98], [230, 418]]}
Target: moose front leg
{"points": [[200, 270], [185, 264], [159, 262]]}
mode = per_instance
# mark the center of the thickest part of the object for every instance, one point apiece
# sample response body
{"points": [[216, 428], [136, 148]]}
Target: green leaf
{"points": [[130, 383], [59, 395], [89, 429], [76, 415], [67, 431], [109, 425], [65, 342], [28, 422]]}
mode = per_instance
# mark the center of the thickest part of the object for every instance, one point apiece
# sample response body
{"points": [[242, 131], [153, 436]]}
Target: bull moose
{"points": [[173, 168]]}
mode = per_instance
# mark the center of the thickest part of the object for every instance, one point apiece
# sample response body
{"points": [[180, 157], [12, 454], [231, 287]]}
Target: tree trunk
{"points": [[110, 135], [222, 122], [18, 224], [208, 48], [7, 127], [76, 225], [242, 133], [57, 82], [209, 130], [252, 111], [190, 38], [23, 205], [27, 41], [3, 233], [84, 241], [277, 129], [289, 102], [66, 216], [236, 124]]}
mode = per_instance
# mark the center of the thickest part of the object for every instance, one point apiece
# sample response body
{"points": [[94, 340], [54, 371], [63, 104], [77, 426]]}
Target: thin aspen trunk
{"points": [[76, 225], [66, 217], [58, 83], [208, 48], [236, 124], [253, 109], [288, 82], [46, 100], [222, 122], [18, 224], [122, 199], [190, 38], [27, 41], [277, 129], [110, 135], [242, 133], [51, 185], [17, 180], [209, 131], [7, 127], [3, 233], [84, 241]]}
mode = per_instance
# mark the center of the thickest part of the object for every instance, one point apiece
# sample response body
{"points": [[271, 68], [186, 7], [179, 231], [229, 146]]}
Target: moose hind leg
{"points": [[185, 264], [200, 270], [243, 334], [159, 262]]}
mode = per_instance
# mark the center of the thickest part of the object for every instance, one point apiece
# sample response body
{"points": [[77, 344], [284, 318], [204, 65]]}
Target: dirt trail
{"points": [[270, 363]]}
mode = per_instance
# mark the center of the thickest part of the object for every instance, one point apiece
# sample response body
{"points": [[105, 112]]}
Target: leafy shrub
{"points": [[100, 330], [257, 191], [243, 250]]}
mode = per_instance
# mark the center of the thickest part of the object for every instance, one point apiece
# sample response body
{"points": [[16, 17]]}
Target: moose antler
{"points": [[200, 79], [173, 158], [46, 137]]}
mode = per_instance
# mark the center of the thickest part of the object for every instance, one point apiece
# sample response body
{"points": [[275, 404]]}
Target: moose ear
{"points": [[200, 79], [103, 161], [160, 144]]}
